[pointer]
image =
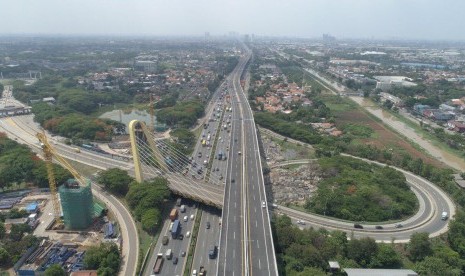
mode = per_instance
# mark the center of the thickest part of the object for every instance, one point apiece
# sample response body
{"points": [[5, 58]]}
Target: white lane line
{"points": [[259, 264], [258, 244], [256, 225], [234, 234]]}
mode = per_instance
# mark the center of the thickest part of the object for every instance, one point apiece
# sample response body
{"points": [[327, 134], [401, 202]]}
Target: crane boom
{"points": [[49, 154]]}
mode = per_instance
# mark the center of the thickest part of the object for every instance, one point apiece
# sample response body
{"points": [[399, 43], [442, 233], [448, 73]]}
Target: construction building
{"points": [[77, 204]]}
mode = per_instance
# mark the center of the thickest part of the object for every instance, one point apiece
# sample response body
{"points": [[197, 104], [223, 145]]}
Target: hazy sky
{"points": [[423, 19]]}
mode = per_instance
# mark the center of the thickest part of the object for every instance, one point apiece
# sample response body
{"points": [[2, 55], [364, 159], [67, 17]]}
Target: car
{"points": [[358, 226], [232, 180], [301, 222], [183, 254], [194, 272], [378, 227], [185, 218], [239, 152], [192, 216], [181, 237], [217, 169], [399, 225], [221, 177], [263, 204], [175, 260], [205, 162], [188, 234], [208, 225]]}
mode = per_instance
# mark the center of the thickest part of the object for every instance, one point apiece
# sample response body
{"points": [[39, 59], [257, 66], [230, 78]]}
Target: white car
{"points": [[263, 204], [192, 216], [188, 234], [185, 218]]}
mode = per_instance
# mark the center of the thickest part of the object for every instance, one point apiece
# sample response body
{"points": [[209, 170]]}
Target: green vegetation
{"points": [[146, 200], [184, 140], [15, 244], [55, 270], [358, 191], [307, 252], [290, 129], [105, 258], [357, 130], [19, 164], [115, 180], [183, 114], [66, 122]]}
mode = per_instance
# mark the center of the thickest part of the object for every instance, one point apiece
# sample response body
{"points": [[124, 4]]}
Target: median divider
{"points": [[191, 250]]}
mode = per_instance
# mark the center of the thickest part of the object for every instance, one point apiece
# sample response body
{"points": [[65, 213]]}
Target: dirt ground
{"points": [[385, 138]]}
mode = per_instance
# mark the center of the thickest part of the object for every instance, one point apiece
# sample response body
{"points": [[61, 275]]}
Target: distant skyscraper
{"points": [[328, 38], [207, 36]]}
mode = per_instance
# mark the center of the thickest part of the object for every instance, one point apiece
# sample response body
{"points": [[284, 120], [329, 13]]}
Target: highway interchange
{"points": [[245, 230]]}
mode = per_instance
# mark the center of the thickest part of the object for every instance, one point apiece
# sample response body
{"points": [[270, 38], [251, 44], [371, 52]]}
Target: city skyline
{"points": [[395, 19]]}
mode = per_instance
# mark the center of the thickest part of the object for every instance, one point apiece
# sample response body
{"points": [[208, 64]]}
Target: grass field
{"points": [[347, 112]]}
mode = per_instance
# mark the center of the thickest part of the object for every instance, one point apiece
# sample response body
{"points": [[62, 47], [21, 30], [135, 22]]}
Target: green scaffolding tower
{"points": [[77, 204]]}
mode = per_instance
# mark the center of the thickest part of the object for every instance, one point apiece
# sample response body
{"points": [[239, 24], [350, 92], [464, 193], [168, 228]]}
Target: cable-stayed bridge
{"points": [[154, 157]]}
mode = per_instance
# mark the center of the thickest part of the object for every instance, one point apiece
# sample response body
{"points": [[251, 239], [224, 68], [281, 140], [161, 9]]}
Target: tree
{"points": [[362, 250], [387, 257], [419, 247], [115, 180], [151, 220], [104, 257], [2, 230], [18, 230], [435, 266], [5, 257], [55, 270]]}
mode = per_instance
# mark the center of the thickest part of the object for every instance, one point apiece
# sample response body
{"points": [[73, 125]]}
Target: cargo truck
{"points": [[174, 214], [176, 229], [158, 264]]}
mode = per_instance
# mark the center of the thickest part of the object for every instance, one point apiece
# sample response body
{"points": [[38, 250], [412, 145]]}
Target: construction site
{"points": [[66, 218]]}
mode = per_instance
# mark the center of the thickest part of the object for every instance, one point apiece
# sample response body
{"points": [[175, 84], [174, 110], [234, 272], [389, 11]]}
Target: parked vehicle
{"points": [[358, 226]]}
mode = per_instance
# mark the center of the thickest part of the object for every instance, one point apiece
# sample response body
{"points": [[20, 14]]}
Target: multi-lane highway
{"points": [[246, 241], [179, 247]]}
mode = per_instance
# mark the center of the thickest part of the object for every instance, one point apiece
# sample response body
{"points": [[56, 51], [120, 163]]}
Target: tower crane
{"points": [[49, 154]]}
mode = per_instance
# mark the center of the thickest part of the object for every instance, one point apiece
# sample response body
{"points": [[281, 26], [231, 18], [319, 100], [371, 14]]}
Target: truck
{"points": [[202, 271], [165, 240], [174, 214], [176, 229], [169, 254], [444, 215], [158, 263]]}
